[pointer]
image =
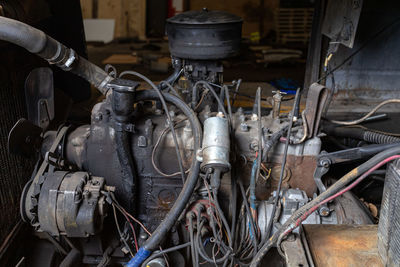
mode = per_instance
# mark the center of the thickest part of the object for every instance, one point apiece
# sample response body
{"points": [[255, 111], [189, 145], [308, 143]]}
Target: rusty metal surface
{"points": [[302, 169], [343, 245], [294, 252], [341, 21], [299, 172]]}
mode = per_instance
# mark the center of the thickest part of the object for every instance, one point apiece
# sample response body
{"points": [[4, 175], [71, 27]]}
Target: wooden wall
{"points": [[249, 10], [129, 15]]}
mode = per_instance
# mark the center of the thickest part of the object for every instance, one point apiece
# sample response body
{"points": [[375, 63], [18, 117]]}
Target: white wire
{"points": [[368, 115]]}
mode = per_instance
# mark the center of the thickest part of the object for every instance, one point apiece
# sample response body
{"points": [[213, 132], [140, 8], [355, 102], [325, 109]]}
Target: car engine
{"points": [[176, 175]]}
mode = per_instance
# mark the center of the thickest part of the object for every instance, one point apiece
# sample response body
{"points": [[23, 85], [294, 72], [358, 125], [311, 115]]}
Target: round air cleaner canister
{"points": [[204, 35]]}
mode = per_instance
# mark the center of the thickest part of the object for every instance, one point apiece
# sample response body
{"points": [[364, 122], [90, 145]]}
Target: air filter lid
{"points": [[204, 16]]}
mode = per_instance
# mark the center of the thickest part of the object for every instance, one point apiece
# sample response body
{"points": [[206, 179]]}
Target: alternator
{"points": [[291, 200], [67, 203]]}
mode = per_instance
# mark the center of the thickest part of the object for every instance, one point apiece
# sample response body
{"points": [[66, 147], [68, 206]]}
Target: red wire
{"points": [[351, 186], [133, 230]]}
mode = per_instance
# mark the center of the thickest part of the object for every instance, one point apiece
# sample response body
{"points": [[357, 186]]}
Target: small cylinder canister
{"points": [[215, 151]]}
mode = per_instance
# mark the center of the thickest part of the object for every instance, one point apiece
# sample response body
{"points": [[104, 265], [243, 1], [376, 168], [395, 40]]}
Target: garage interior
{"points": [[199, 133]]}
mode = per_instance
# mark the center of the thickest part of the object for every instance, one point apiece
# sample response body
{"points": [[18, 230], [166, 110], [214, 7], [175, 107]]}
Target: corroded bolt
{"points": [[244, 127], [324, 211], [254, 145]]}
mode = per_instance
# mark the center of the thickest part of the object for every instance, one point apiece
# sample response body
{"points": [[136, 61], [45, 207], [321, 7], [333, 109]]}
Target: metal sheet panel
{"points": [[343, 245]]}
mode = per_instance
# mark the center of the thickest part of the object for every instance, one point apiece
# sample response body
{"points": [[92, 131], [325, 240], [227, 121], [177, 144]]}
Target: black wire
{"points": [[203, 253], [220, 104], [170, 123], [252, 223], [228, 102], [172, 89], [191, 235], [331, 93], [223, 218], [165, 251], [119, 231], [233, 204], [223, 247], [242, 228], [277, 195], [259, 93], [382, 30]]}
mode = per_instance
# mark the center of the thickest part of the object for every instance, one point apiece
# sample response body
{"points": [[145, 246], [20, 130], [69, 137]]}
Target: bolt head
{"points": [[324, 163], [244, 127], [324, 211], [98, 117]]}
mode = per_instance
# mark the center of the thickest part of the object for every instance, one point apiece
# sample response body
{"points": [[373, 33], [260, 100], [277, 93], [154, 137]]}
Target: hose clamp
{"points": [[103, 87], [67, 65]]}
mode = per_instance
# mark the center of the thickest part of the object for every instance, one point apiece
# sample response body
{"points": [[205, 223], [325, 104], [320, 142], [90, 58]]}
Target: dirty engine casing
{"points": [[111, 184]]}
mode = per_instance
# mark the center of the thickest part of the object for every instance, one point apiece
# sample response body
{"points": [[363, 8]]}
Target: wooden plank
{"points": [[248, 10], [113, 9], [136, 18], [293, 24], [87, 9], [129, 16], [121, 59]]}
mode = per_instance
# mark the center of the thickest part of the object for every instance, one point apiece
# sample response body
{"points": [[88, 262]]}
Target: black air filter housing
{"points": [[204, 35]]}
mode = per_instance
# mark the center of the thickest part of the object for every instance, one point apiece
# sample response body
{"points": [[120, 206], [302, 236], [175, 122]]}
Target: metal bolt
{"points": [[291, 238], [324, 211], [324, 163], [244, 127], [172, 114], [142, 141], [143, 236], [254, 145], [189, 68], [98, 117]]}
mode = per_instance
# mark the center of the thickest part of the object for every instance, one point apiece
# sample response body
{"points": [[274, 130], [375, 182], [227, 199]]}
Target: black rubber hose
{"points": [[73, 258], [172, 78], [23, 35], [123, 147], [37, 42], [360, 134], [272, 141], [336, 187], [122, 104], [379, 138], [159, 234], [354, 133]]}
